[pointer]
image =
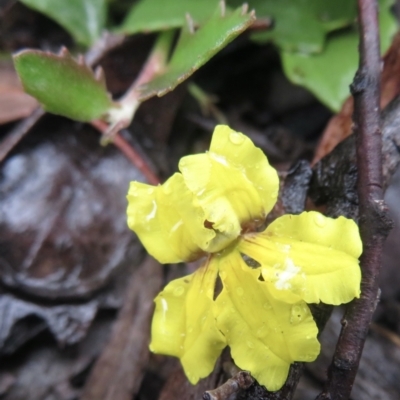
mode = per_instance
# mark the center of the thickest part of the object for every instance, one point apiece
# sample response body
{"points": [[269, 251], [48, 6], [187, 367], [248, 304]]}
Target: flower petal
{"points": [[168, 220], [240, 151], [309, 257], [233, 182], [265, 335], [184, 324]]}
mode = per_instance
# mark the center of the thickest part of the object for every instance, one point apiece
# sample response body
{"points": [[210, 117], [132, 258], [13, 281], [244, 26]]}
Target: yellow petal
{"points": [[233, 182], [309, 257], [184, 325], [168, 220], [240, 151], [265, 335]]}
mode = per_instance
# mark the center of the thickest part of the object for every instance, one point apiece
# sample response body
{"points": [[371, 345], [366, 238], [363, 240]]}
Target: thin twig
{"points": [[241, 381], [374, 223], [18, 132]]}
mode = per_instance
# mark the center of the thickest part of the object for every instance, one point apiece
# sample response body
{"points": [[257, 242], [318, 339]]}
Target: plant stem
{"points": [[18, 132], [374, 223], [129, 103], [130, 153]]}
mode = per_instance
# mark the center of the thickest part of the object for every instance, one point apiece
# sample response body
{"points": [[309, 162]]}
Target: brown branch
{"points": [[118, 373], [241, 381], [18, 132], [374, 223]]}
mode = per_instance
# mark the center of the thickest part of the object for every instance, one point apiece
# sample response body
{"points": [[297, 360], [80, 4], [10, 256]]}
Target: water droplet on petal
{"points": [[190, 329], [250, 344], [262, 332], [150, 190], [267, 306], [307, 357], [189, 375], [236, 138], [297, 314], [278, 227], [320, 220], [274, 194], [178, 291], [239, 291], [223, 275]]}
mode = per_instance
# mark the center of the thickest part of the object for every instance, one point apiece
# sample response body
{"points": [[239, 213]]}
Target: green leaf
{"points": [[83, 19], [157, 15], [328, 75], [301, 25], [195, 48], [62, 85]]}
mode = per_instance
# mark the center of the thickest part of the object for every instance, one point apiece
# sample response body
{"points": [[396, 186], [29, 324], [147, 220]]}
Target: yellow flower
{"points": [[213, 209], [205, 207]]}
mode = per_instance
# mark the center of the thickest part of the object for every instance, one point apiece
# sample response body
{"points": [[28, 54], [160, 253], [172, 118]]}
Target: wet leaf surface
{"points": [[62, 216], [68, 323], [46, 372]]}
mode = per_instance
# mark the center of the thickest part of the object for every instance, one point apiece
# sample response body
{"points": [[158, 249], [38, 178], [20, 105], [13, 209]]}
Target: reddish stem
{"points": [[130, 153]]}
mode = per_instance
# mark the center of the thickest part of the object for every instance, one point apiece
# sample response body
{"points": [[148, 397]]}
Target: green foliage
{"points": [[329, 74], [316, 51], [62, 85], [83, 19], [158, 15], [195, 48], [301, 25], [66, 87]]}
